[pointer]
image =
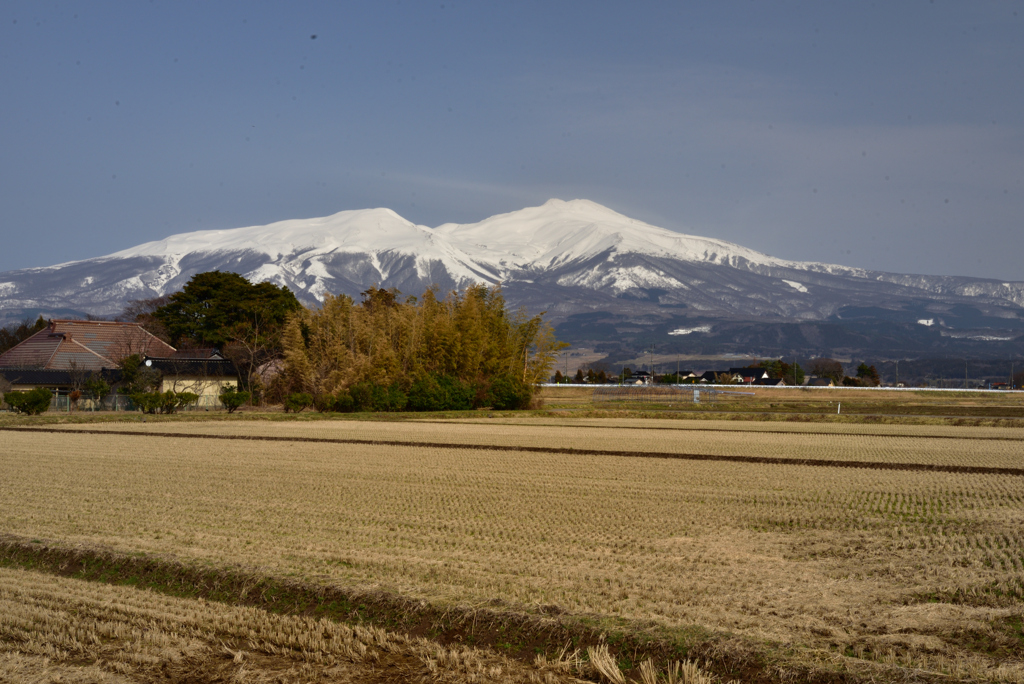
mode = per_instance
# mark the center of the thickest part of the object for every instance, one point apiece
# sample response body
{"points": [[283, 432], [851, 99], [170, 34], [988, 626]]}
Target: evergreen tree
{"points": [[216, 307]]}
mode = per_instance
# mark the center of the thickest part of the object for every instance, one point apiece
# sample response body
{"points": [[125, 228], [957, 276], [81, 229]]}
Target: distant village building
{"points": [[749, 375], [641, 378]]}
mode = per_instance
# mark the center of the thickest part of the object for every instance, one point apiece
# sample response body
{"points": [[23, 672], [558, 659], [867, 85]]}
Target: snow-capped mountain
{"points": [[568, 258]]}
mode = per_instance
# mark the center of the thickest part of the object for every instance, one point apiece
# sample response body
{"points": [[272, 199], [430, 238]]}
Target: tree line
{"points": [[464, 350], [388, 352], [16, 333]]}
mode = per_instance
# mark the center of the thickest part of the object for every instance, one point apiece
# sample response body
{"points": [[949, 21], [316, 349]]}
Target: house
{"points": [[820, 382], [771, 382], [749, 375], [712, 377], [62, 356], [83, 346], [684, 375], [641, 378], [205, 377]]}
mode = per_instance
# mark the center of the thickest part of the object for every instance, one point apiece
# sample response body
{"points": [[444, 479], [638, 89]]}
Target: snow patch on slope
{"points": [[688, 331], [799, 287], [620, 279]]}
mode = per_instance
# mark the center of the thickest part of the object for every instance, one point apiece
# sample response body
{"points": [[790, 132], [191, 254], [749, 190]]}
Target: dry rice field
{"points": [[913, 572], [65, 630]]}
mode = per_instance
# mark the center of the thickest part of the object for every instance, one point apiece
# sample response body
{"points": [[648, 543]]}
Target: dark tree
{"points": [[216, 308], [142, 311], [827, 368], [15, 334], [868, 375]]}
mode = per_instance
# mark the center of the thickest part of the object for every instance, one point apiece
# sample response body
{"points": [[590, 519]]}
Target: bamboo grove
{"points": [[463, 351]]}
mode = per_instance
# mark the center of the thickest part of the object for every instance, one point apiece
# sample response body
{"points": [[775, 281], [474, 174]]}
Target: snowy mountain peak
{"points": [[560, 232], [553, 254], [348, 230]]}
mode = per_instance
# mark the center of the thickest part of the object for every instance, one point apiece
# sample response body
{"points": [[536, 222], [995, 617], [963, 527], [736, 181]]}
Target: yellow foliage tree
{"points": [[467, 338]]}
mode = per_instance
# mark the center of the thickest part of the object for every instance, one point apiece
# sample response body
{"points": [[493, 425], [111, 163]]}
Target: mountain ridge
{"points": [[566, 257]]}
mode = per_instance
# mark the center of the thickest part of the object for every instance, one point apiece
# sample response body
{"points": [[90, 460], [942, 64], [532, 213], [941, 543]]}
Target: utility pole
{"points": [[897, 372], [965, 374]]}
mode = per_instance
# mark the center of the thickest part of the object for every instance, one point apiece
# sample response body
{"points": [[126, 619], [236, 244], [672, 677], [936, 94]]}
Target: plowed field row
{"points": [[891, 452]]}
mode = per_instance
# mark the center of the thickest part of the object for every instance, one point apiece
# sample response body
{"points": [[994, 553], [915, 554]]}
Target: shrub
{"points": [[297, 402], [369, 396], [164, 402], [441, 393], [338, 403], [183, 399], [507, 393], [343, 402], [32, 402], [97, 387], [232, 398]]}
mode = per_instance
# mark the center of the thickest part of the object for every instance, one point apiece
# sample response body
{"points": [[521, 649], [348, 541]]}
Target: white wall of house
{"points": [[200, 385]]}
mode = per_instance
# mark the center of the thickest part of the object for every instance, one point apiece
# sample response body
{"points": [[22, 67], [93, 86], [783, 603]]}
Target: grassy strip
{"points": [[768, 460]]}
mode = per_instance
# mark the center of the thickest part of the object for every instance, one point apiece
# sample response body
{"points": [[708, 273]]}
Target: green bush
{"points": [[337, 403], [441, 393], [343, 402], [97, 387], [297, 402], [232, 398], [32, 402], [368, 396], [164, 402], [507, 393]]}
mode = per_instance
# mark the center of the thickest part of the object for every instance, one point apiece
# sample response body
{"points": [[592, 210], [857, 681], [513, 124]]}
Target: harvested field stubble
{"points": [[59, 629], [927, 446], [920, 570]]}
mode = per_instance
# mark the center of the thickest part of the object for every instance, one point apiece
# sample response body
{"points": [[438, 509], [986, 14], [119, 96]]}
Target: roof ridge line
{"points": [[95, 353]]}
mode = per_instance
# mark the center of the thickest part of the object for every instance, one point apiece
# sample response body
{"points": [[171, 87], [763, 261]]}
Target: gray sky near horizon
{"points": [[887, 136]]}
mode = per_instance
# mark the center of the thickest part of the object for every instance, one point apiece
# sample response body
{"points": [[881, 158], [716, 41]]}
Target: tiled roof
{"points": [[88, 345], [216, 368], [35, 352], [195, 353], [49, 378]]}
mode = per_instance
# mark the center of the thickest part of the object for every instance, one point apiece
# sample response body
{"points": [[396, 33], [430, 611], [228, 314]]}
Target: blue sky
{"points": [[882, 135]]}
